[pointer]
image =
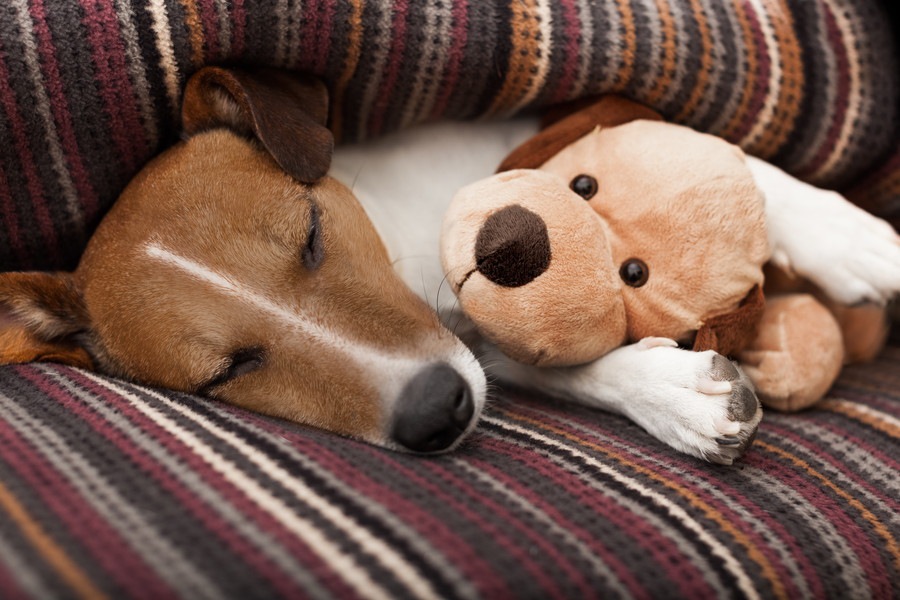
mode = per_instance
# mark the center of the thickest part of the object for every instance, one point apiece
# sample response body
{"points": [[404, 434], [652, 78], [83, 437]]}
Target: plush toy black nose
{"points": [[434, 409], [512, 247]]}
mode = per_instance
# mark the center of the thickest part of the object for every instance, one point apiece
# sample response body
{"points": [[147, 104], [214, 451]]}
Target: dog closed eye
{"points": [[313, 251], [240, 363]]}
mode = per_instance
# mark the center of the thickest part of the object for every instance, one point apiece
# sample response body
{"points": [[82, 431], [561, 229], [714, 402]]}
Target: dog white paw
{"points": [[699, 403], [818, 234]]}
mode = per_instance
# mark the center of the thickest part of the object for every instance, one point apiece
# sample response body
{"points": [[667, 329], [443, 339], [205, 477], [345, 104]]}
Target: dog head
{"points": [[234, 267], [609, 226]]}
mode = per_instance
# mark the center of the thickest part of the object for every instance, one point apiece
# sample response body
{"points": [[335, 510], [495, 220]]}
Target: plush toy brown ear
{"points": [[285, 112], [570, 122], [732, 332], [41, 317]]}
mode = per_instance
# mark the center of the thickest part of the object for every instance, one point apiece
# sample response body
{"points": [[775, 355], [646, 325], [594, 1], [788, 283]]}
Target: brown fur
{"points": [[243, 207]]}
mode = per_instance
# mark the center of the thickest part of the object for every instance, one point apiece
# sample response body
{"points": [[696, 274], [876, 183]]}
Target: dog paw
{"points": [[699, 403], [853, 256]]}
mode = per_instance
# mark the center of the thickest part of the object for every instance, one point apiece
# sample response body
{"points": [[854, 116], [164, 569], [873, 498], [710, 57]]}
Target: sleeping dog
{"points": [[236, 267]]}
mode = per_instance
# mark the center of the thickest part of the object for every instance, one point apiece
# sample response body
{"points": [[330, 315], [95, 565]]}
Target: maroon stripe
{"points": [[323, 38], [840, 106], [439, 534], [26, 160], [552, 559], [492, 585], [310, 37], [662, 549], [87, 195], [604, 553], [833, 511], [761, 82], [114, 82], [10, 220], [388, 84], [210, 30], [875, 452], [92, 531], [815, 450], [572, 33], [460, 12], [683, 472], [214, 524], [9, 585], [238, 28]]}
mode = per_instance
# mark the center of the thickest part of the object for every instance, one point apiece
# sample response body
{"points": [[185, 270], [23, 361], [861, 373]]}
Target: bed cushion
{"points": [[90, 89], [115, 489]]}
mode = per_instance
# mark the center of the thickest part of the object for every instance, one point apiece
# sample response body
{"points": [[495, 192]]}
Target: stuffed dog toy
{"points": [[610, 226]]}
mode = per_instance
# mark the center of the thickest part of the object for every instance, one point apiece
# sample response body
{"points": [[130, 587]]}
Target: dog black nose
{"points": [[513, 247], [434, 409]]}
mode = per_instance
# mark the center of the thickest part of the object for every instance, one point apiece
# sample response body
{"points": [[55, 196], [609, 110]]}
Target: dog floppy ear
{"points": [[284, 111], [41, 318], [570, 122]]}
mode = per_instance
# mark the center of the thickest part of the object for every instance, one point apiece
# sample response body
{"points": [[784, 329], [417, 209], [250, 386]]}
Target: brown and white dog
{"points": [[234, 266]]}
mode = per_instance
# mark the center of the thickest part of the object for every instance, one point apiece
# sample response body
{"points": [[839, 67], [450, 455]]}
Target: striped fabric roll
{"points": [[112, 490], [89, 89]]}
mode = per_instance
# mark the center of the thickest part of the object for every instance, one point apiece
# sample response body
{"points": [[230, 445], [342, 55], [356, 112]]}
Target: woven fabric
{"points": [[112, 490], [89, 89]]}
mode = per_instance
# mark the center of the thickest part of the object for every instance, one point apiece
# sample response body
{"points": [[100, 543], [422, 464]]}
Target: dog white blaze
{"points": [[389, 371]]}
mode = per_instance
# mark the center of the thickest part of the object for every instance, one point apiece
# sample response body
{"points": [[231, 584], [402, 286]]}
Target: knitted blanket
{"points": [[90, 89], [114, 490]]}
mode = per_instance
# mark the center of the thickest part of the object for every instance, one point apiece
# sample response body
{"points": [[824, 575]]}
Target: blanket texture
{"points": [[90, 89], [114, 490]]}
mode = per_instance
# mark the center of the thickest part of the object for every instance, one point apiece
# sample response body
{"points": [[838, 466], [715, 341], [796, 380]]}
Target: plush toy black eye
{"points": [[585, 186], [634, 272]]}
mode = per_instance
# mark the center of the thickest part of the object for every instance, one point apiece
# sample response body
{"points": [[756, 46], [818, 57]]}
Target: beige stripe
{"points": [[377, 61], [42, 107], [166, 51], [876, 524], [295, 35], [845, 15], [354, 47], [195, 31], [282, 10], [658, 79], [764, 119], [316, 539], [225, 31], [530, 49], [701, 89], [728, 559], [582, 81], [54, 555], [551, 528], [168, 561], [137, 68], [875, 418], [433, 56]]}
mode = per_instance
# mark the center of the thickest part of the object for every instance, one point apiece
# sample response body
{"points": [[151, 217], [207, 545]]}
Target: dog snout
{"points": [[434, 410], [513, 247]]}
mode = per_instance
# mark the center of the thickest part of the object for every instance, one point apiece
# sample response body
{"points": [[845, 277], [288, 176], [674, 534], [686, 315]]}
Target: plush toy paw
{"points": [[701, 403], [818, 234]]}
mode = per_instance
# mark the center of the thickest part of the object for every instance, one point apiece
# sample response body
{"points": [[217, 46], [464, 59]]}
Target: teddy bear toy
{"points": [[611, 225]]}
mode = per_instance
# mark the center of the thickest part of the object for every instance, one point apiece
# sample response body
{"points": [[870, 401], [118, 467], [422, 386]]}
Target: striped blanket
{"points": [[90, 89], [112, 490]]}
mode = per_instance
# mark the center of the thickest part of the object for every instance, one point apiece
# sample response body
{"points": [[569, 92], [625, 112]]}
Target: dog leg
{"points": [[699, 403], [818, 234]]}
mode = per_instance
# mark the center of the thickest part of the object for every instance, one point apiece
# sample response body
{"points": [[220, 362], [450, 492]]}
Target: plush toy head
{"points": [[610, 226]]}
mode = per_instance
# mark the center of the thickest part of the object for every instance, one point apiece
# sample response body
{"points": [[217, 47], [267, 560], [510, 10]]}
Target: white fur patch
{"points": [[388, 371]]}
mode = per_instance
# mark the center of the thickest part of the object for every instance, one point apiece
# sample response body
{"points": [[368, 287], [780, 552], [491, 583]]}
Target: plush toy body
{"points": [[610, 226]]}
